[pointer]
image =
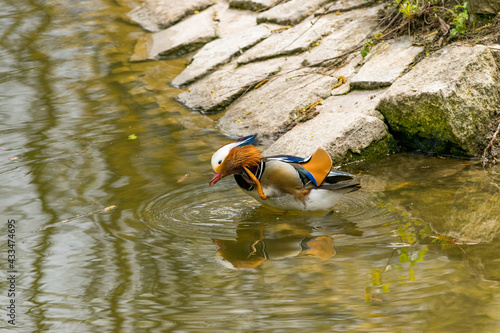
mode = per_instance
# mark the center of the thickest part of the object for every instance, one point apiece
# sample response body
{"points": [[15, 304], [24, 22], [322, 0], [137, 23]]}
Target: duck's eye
{"points": [[220, 161]]}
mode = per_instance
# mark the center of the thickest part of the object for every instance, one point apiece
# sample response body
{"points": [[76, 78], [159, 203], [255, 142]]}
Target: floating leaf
{"points": [[132, 137], [183, 178]]}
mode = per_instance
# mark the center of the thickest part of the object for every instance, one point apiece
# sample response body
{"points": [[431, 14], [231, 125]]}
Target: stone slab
{"points": [[347, 31], [345, 126], [294, 40], [347, 70], [179, 39], [385, 63], [155, 15], [220, 51], [217, 21], [230, 21], [444, 103], [291, 12], [268, 109], [251, 4], [344, 6], [217, 90]]}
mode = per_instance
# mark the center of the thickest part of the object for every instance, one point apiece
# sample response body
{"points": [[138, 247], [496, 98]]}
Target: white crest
{"points": [[220, 155]]}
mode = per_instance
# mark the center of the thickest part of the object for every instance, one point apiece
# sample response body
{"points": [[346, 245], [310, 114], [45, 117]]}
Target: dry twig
{"points": [[488, 148]]}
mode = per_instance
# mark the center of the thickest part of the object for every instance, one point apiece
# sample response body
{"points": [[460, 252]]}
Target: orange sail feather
{"points": [[319, 165]]}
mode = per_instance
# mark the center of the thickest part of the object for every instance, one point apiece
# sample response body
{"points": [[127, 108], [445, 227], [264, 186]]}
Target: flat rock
{"points": [[217, 90], [251, 4], [194, 32], [444, 103], [344, 5], [347, 70], [348, 127], [179, 39], [385, 63], [231, 21], [347, 31], [220, 51], [268, 110], [155, 15], [296, 39], [291, 12]]}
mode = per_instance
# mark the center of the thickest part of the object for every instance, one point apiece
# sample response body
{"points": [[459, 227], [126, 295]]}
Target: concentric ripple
{"points": [[197, 210]]}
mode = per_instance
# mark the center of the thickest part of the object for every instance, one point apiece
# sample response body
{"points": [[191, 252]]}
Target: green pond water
{"points": [[416, 250]]}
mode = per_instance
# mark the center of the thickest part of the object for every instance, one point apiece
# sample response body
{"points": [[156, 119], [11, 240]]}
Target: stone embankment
{"points": [[274, 70]]}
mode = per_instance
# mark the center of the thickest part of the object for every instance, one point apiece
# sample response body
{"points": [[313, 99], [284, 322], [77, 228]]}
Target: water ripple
{"points": [[197, 210]]}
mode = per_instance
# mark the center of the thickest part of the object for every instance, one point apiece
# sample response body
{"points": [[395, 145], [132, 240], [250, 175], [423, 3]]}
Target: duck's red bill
{"points": [[215, 179]]}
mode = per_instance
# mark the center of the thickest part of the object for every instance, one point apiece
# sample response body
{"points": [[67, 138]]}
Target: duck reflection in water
{"points": [[254, 245]]}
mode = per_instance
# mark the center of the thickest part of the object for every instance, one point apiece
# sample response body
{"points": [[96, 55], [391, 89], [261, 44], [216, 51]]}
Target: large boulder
{"points": [[348, 127], [445, 102]]}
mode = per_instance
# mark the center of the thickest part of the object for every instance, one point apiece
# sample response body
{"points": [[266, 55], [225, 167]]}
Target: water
{"points": [[415, 250]]}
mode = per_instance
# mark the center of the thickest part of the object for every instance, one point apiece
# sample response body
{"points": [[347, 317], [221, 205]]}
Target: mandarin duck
{"points": [[283, 182]]}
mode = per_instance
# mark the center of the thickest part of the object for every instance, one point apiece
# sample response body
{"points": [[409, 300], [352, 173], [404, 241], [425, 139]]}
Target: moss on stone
{"points": [[444, 103], [376, 150]]}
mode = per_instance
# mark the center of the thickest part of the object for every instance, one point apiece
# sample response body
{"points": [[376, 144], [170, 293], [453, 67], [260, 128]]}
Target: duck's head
{"points": [[231, 158]]}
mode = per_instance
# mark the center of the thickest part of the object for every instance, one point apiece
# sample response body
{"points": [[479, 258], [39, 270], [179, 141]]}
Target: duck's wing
{"points": [[315, 167], [337, 180], [287, 158], [349, 187], [335, 176]]}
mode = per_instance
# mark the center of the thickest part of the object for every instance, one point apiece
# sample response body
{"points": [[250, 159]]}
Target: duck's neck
{"points": [[246, 156]]}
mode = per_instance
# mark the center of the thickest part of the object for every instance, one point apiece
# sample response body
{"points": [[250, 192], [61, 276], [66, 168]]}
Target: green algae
{"points": [[376, 150]]}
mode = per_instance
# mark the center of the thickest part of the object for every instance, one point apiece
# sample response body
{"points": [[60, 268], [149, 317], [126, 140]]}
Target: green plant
{"points": [[460, 20], [366, 47], [408, 8]]}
